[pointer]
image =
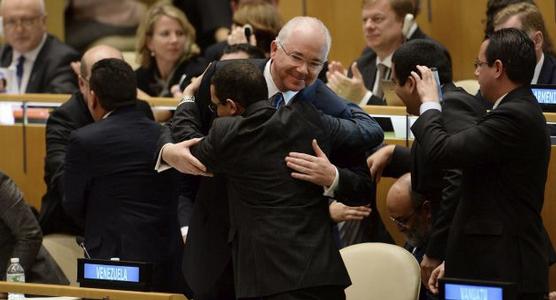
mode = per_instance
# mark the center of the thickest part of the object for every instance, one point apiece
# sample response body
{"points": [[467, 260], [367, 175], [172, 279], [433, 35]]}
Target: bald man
{"points": [[62, 121], [40, 62], [411, 213]]}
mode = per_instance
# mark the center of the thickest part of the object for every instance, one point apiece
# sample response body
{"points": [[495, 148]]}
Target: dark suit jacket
{"points": [[440, 186], [548, 70], [128, 210], [21, 237], [207, 253], [497, 232], [71, 115], [51, 72], [280, 226], [147, 77]]}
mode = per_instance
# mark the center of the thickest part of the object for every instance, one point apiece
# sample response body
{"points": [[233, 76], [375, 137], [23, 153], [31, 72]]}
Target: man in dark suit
{"points": [[280, 227], [127, 209], [527, 17], [459, 111], [40, 62], [207, 253], [71, 115], [497, 232]]}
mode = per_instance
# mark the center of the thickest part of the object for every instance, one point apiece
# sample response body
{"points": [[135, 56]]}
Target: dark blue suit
{"points": [[129, 210]]}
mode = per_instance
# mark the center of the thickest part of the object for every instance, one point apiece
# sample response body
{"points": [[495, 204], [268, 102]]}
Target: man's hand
{"points": [[426, 85], [340, 212], [433, 280], [428, 264], [353, 88], [379, 160], [180, 158], [315, 169]]}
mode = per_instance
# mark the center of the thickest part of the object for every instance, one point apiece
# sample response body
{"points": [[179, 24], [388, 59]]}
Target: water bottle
{"points": [[15, 273]]}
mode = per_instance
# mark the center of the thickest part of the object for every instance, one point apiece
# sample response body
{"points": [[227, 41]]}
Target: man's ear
{"points": [[412, 84], [273, 48], [538, 40], [234, 109], [499, 67]]}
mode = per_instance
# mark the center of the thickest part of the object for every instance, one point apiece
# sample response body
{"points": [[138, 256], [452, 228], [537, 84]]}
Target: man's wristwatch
{"points": [[186, 98]]}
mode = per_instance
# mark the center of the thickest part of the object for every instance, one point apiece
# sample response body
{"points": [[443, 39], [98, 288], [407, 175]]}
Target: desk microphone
{"points": [[81, 242]]}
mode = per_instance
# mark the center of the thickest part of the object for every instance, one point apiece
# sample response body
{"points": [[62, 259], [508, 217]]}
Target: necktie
{"points": [[277, 100], [383, 71], [19, 70]]}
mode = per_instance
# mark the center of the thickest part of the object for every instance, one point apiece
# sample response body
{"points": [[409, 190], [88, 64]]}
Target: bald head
{"points": [[312, 28], [95, 54], [398, 200]]}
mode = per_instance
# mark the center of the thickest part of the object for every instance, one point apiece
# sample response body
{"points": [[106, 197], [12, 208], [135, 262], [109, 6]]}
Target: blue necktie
{"points": [[277, 100], [19, 70]]}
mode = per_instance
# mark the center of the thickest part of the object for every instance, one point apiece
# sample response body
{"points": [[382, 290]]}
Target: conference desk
{"points": [[23, 150], [79, 292]]}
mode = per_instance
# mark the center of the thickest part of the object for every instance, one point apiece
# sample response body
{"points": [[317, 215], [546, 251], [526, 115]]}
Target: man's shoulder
{"points": [[54, 49], [367, 58], [72, 113]]}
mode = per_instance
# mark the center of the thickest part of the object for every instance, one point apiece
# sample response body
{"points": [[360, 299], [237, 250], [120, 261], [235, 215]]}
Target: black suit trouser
{"points": [[327, 292]]}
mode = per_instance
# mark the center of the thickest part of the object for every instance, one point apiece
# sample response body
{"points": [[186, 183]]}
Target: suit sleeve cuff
{"points": [[428, 106], [329, 191], [161, 165]]}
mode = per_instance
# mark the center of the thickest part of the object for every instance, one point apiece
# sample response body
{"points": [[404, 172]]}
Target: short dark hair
{"points": [[516, 51], [241, 81], [114, 83], [250, 50], [425, 53]]}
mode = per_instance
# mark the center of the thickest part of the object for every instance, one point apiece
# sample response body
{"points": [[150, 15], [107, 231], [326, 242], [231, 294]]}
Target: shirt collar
{"points": [[387, 61], [498, 101], [272, 88], [538, 68], [30, 56]]}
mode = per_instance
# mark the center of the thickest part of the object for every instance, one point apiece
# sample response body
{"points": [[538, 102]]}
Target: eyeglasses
{"points": [[402, 221], [479, 63], [298, 59], [24, 22]]}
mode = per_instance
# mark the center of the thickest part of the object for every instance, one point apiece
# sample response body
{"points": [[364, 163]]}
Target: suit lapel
{"points": [[6, 56], [39, 67], [548, 69]]}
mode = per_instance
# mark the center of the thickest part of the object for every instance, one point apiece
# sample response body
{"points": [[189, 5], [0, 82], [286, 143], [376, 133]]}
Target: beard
{"points": [[419, 235]]}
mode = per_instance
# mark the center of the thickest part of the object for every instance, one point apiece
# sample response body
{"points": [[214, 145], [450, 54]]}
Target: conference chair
{"points": [[469, 85], [381, 271], [65, 251]]}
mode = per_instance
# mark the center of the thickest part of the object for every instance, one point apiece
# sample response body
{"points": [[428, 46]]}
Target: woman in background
{"points": [[166, 51], [264, 20]]}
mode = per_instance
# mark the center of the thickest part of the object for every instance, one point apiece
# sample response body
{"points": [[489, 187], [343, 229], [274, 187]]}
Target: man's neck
{"points": [[387, 51]]}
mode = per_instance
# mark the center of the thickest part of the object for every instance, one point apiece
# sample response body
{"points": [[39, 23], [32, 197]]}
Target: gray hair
{"points": [[303, 22]]}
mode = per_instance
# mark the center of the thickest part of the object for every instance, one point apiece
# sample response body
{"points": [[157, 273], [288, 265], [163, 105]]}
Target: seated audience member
{"points": [[493, 7], [21, 237], [527, 17], [87, 21], [411, 213], [40, 62], [383, 21], [212, 19], [244, 149], [460, 111], [166, 51], [126, 208], [241, 51], [264, 20], [71, 115], [504, 159]]}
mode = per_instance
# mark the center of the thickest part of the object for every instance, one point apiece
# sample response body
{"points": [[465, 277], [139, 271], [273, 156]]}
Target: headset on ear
{"points": [[408, 22]]}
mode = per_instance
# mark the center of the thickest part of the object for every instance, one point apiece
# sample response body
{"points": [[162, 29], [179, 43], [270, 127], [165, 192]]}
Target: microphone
{"points": [[81, 242]]}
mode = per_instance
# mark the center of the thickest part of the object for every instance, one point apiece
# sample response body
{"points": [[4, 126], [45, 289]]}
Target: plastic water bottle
{"points": [[15, 273]]}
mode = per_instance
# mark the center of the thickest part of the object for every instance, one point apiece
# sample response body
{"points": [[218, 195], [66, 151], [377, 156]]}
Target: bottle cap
{"points": [[14, 260]]}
